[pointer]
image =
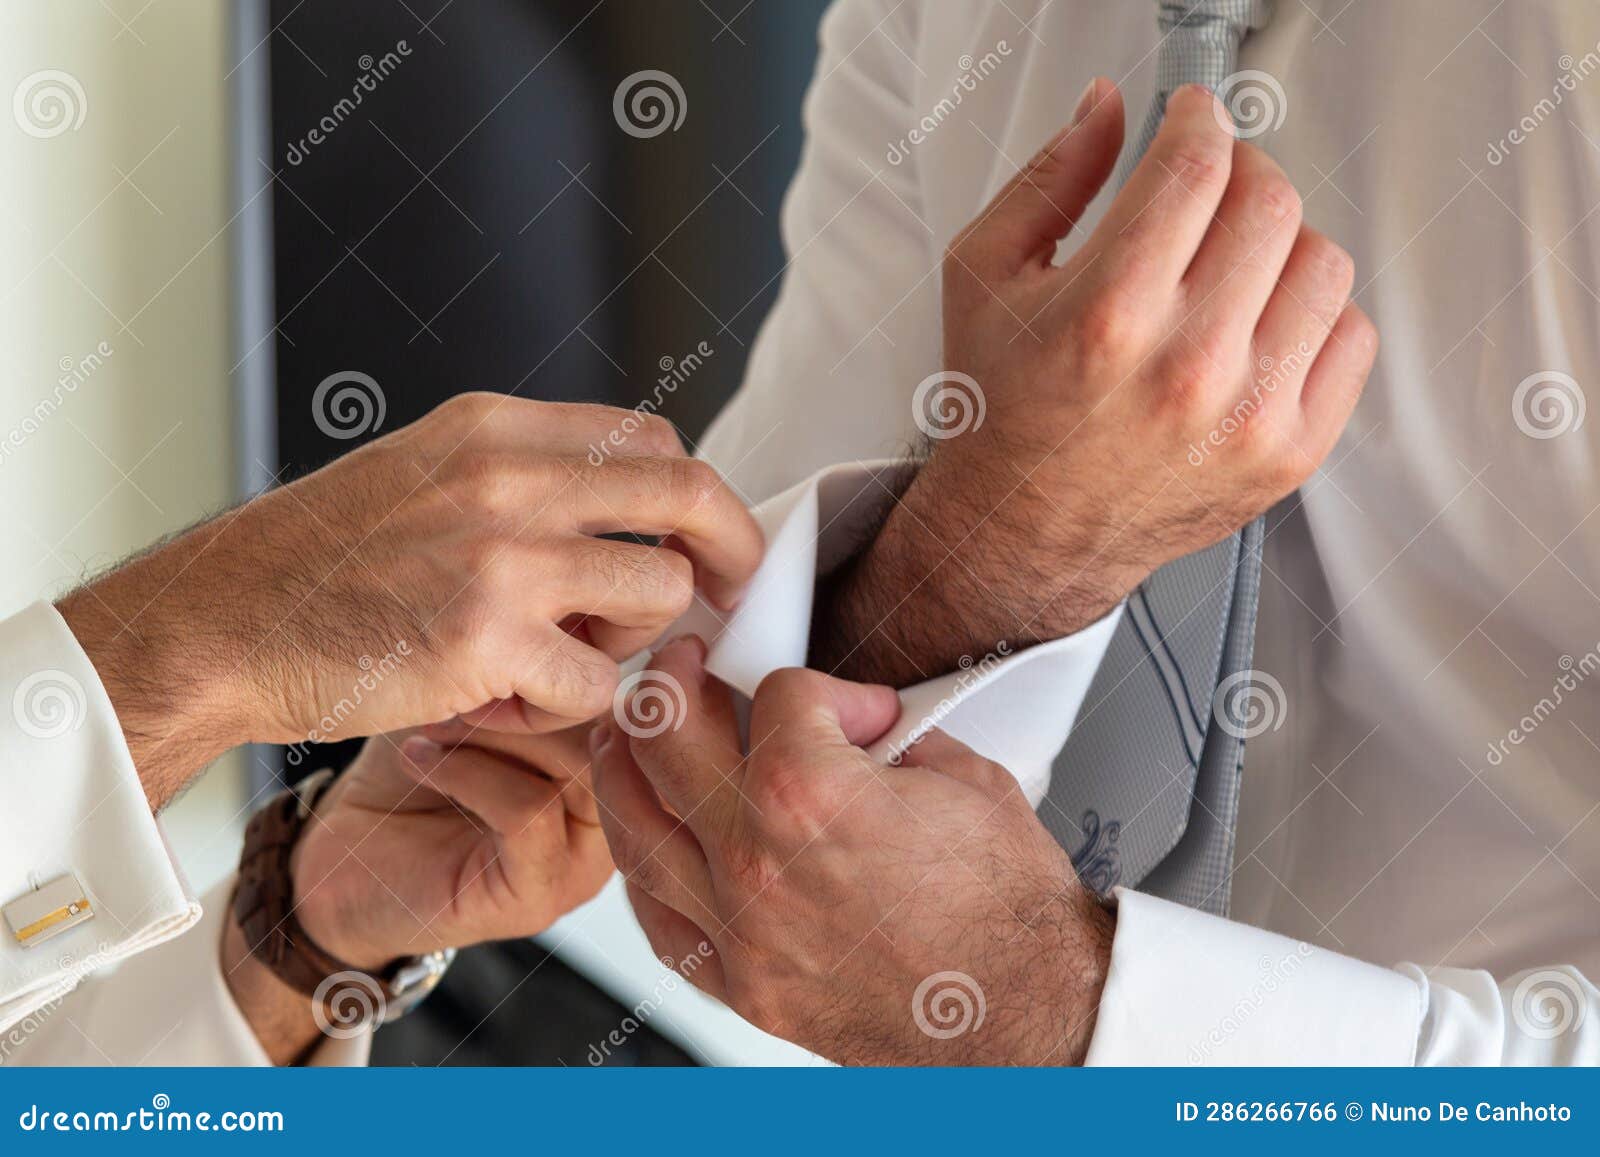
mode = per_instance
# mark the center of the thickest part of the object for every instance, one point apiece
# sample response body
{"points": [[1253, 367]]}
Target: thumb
{"points": [[795, 706], [1042, 203]]}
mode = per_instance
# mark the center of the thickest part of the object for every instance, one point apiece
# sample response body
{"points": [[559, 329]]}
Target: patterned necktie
{"points": [[1146, 790]]}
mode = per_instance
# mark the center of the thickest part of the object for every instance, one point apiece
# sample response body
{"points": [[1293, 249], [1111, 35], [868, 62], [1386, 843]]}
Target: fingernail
{"points": [[421, 750], [678, 642], [1085, 102]]}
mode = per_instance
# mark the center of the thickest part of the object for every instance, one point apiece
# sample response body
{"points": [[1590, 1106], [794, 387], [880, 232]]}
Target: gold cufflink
{"points": [[48, 911]]}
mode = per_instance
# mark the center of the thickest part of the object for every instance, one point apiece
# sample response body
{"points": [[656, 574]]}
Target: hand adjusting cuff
{"points": [[263, 906]]}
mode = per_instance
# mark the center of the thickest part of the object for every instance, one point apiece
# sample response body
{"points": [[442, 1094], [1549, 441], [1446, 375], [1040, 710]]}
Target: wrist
{"points": [[283, 1020], [163, 678]]}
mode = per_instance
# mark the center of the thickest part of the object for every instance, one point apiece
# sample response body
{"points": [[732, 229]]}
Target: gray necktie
{"points": [[1147, 787]]}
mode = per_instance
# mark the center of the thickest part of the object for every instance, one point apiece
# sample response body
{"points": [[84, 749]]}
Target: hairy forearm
{"points": [[972, 554]]}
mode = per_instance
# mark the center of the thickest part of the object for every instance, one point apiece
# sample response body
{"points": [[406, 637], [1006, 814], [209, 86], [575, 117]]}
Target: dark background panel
{"points": [[481, 220]]}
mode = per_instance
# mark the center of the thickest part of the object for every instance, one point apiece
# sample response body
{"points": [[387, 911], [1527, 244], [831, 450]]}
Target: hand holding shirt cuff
{"points": [[1189, 988], [1012, 706], [71, 803]]}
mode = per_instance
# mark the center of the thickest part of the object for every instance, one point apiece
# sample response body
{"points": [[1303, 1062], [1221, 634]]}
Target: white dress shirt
{"points": [[1418, 603]]}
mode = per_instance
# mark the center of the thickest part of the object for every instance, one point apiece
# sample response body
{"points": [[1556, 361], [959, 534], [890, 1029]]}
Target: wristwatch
{"points": [[263, 906]]}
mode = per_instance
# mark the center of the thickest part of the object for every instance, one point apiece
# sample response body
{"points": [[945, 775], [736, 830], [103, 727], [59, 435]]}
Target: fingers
{"points": [[679, 942], [1236, 269], [631, 592], [1311, 294], [562, 756], [684, 498], [653, 849], [562, 681], [557, 428], [682, 730], [943, 753], [1044, 201], [797, 709], [1153, 229], [506, 795], [1336, 380]]}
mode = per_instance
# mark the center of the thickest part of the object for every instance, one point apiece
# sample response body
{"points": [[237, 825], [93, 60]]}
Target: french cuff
{"points": [[1189, 988], [72, 809], [1014, 706]]}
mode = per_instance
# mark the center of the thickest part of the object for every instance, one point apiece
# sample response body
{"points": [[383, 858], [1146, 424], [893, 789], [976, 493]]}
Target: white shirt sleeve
{"points": [[1012, 706], [1189, 988], [71, 805], [169, 1007]]}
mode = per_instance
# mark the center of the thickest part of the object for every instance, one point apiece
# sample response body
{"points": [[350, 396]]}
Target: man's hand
{"points": [[439, 839], [852, 906], [1192, 362], [452, 568]]}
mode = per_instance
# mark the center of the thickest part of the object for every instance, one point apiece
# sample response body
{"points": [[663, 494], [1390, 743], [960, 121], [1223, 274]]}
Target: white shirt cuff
{"points": [[1189, 988], [1012, 706], [71, 803]]}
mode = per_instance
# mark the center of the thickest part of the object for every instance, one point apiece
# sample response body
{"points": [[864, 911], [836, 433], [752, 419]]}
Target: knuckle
{"points": [[468, 408], [1110, 323], [1334, 268], [1277, 198], [1200, 161], [693, 481]]}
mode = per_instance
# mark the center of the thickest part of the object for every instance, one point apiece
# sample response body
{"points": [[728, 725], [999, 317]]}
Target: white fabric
{"points": [[167, 1007], [1451, 547], [1014, 707], [71, 801]]}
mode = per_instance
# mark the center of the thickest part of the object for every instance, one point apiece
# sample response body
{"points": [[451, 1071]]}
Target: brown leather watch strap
{"points": [[263, 900]]}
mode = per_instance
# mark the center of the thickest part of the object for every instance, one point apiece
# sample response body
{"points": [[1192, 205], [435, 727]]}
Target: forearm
{"points": [[971, 555]]}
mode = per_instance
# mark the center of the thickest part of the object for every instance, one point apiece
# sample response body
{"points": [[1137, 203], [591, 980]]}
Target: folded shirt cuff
{"points": [[71, 804], [1014, 706], [1189, 988]]}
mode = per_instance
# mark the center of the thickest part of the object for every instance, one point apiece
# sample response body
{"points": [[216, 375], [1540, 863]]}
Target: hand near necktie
{"points": [[1192, 362], [876, 914]]}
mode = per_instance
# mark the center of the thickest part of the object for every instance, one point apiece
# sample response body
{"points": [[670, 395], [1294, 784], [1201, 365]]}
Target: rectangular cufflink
{"points": [[48, 911]]}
